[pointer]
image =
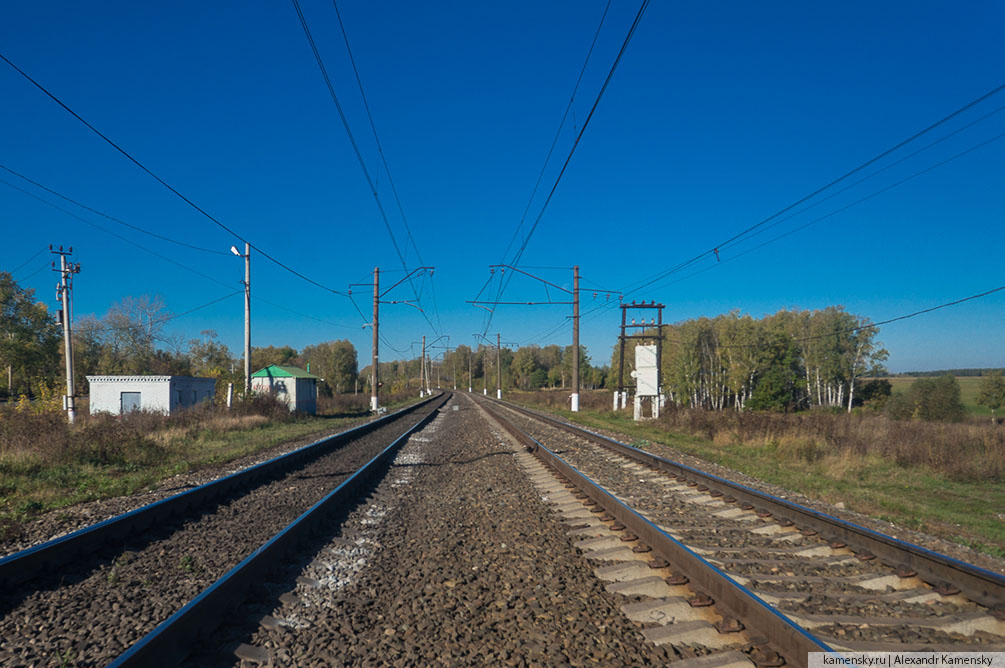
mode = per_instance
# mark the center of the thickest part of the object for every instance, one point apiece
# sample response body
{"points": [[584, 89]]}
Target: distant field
{"points": [[968, 391]]}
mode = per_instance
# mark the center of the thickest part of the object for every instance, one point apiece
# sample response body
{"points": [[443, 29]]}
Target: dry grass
{"points": [[968, 451]]}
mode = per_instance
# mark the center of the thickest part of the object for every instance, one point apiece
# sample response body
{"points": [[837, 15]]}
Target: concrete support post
{"points": [[498, 366], [247, 319], [374, 404], [575, 339], [71, 408]]}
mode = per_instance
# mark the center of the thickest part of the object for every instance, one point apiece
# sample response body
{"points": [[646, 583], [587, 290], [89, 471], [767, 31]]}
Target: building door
{"points": [[129, 402]]}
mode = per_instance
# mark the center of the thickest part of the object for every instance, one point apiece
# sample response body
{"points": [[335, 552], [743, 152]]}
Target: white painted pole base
{"points": [[373, 404], [485, 391], [498, 394], [575, 402], [230, 395], [469, 389]]}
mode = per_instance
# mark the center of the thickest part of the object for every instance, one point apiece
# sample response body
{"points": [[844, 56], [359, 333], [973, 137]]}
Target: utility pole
{"points": [[453, 367], [247, 312], [422, 366], [376, 356], [498, 366], [575, 339], [67, 270], [574, 292], [375, 382], [470, 376]]}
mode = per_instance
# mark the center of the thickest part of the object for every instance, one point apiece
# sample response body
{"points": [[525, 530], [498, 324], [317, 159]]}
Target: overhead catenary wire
{"points": [[558, 179], [544, 207], [164, 183], [376, 138], [969, 105], [105, 215], [872, 325], [654, 281], [558, 133], [355, 147]]}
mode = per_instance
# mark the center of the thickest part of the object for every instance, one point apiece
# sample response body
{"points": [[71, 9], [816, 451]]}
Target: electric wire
{"points": [[302, 315], [105, 215], [872, 325], [748, 230], [165, 258], [44, 266], [586, 123], [610, 75], [821, 218], [114, 234], [355, 145], [164, 183], [373, 127], [872, 175], [163, 319], [27, 261], [558, 133]]}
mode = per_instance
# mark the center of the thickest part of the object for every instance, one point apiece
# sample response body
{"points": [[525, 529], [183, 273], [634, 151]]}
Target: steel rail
{"points": [[22, 566], [171, 641], [784, 636], [979, 585]]}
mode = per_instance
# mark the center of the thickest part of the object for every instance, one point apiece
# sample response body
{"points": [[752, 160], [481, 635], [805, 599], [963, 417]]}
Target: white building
{"points": [[160, 394], [290, 384]]}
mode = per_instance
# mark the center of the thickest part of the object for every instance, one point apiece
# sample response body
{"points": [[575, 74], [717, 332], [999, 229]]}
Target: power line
{"points": [[373, 127], [839, 210], [302, 315], [44, 266], [157, 321], [610, 75], [355, 148], [871, 325], [586, 123], [348, 130], [105, 215], [164, 183], [834, 182], [114, 234], [877, 173], [27, 261], [558, 133]]}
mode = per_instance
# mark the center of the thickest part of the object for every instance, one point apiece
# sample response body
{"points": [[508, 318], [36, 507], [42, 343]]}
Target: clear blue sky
{"points": [[719, 115]]}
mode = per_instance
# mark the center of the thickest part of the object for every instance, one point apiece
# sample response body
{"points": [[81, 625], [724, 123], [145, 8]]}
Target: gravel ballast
{"points": [[454, 560], [90, 612]]}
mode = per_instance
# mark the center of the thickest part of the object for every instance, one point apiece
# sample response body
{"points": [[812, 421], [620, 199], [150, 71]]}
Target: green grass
{"points": [[969, 387], [969, 513]]}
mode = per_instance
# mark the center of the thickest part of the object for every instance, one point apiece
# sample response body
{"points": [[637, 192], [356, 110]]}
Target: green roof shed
{"points": [[291, 384]]}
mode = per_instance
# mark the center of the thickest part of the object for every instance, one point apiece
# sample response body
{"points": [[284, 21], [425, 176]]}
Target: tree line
{"points": [[790, 360], [132, 339], [526, 368]]}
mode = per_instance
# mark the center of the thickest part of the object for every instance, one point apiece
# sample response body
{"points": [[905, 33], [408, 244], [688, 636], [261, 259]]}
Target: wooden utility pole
{"points": [[498, 366], [470, 375], [376, 357]]}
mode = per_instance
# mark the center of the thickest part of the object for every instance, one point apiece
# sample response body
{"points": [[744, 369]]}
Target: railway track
{"points": [[736, 576], [136, 590]]}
